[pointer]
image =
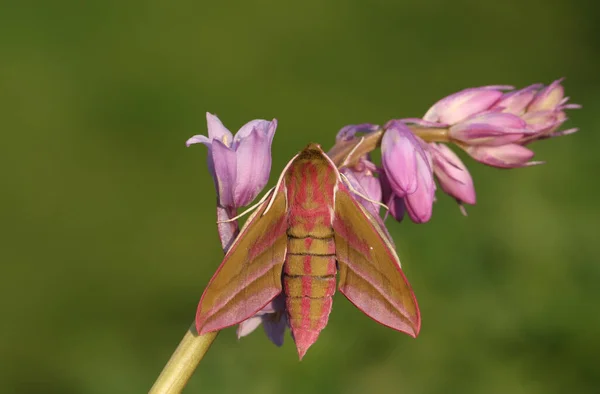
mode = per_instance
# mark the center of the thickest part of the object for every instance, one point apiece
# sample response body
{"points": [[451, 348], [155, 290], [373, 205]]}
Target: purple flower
{"points": [[408, 170], [362, 179], [461, 105], [490, 128], [503, 156], [516, 102], [452, 174], [548, 98], [394, 203], [239, 165], [542, 108], [348, 132], [273, 319]]}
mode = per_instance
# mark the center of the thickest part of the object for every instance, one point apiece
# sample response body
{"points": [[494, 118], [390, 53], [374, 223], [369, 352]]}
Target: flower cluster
{"points": [[493, 124]]}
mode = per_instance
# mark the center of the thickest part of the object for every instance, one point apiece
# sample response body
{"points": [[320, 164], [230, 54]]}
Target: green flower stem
{"points": [[183, 362], [431, 134]]}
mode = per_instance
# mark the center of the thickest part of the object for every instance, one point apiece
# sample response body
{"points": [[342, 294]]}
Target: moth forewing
{"points": [[249, 276]]}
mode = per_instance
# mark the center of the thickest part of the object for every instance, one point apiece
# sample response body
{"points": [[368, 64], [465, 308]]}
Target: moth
{"points": [[305, 231]]}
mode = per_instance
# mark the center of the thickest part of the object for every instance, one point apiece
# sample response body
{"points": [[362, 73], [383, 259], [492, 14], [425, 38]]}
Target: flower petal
{"points": [[394, 203], [516, 102], [216, 130], [248, 326], [504, 156], [253, 167], [461, 105], [198, 139], [399, 158], [548, 98], [490, 128], [275, 325], [419, 204], [544, 121], [225, 163], [348, 132], [264, 127], [452, 174], [367, 185]]}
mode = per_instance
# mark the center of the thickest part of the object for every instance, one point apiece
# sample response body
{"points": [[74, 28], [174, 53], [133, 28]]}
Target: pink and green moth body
{"points": [[307, 230]]}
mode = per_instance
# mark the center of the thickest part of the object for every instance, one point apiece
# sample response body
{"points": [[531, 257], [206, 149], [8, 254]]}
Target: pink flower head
{"points": [[239, 165], [408, 170], [542, 108]]}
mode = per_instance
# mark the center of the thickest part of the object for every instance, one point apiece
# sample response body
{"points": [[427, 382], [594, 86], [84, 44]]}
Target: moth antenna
{"points": [[279, 181], [362, 195], [252, 208], [352, 151]]}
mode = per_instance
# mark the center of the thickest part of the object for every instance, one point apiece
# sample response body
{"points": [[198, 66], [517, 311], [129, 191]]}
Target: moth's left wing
{"points": [[250, 275]]}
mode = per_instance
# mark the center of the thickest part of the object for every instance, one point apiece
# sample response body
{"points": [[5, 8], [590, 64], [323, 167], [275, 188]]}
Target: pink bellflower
{"points": [[452, 175], [239, 165], [408, 172]]}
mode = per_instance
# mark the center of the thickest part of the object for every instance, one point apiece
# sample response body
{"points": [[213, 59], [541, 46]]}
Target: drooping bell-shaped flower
{"points": [[461, 105], [240, 164], [490, 128], [408, 170], [453, 176], [502, 156]]}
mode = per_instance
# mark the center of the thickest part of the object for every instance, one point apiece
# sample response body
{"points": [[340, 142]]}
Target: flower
{"points": [[239, 165], [543, 109], [394, 203], [362, 179], [348, 132], [461, 105], [273, 318], [490, 128], [546, 112], [452, 174], [503, 156], [516, 102], [408, 170], [492, 125]]}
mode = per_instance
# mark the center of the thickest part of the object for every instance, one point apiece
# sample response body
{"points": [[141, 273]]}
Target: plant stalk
{"points": [[183, 362]]}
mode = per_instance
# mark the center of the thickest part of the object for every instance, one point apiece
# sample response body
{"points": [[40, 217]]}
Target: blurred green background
{"points": [[108, 234]]}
